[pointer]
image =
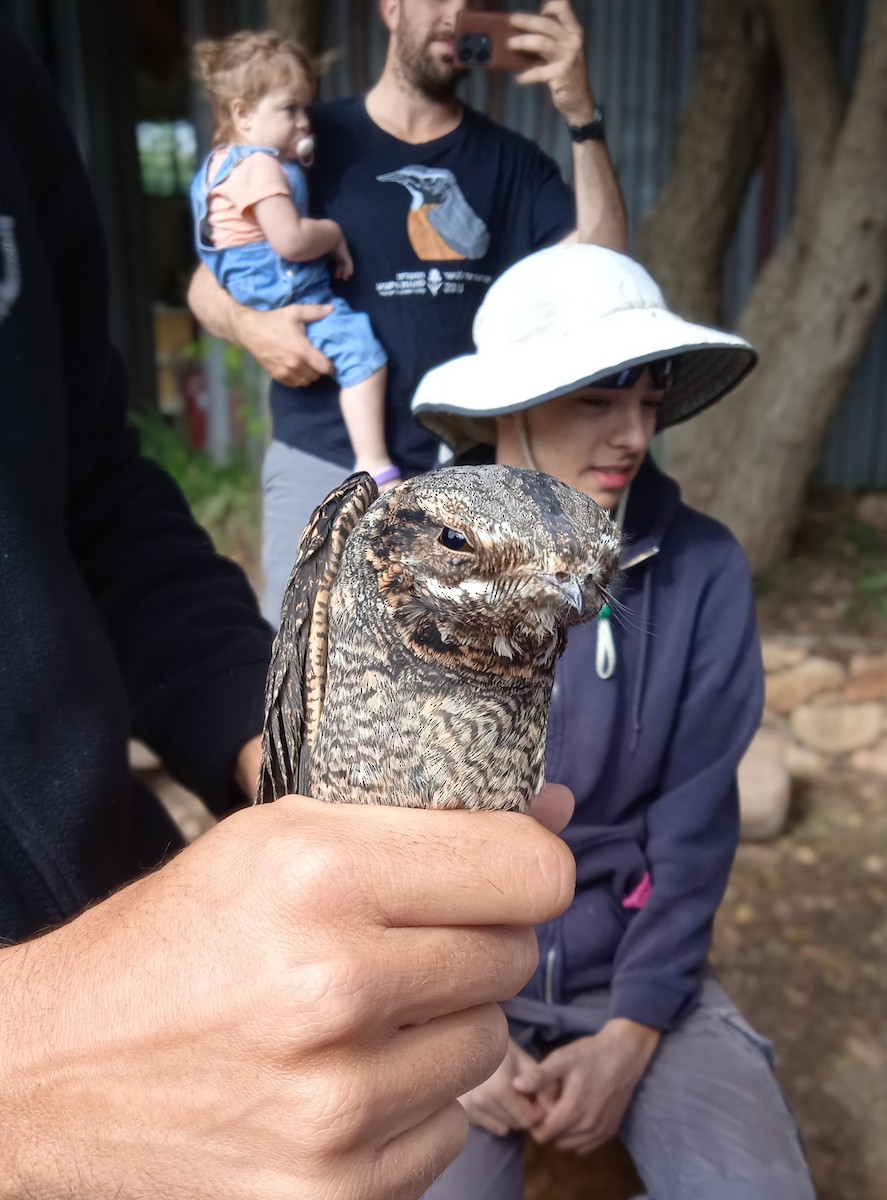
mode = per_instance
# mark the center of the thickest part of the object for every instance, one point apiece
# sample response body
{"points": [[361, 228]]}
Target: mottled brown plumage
{"points": [[420, 630]]}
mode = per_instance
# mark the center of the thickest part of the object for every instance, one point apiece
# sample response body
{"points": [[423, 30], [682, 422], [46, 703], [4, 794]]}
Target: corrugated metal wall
{"points": [[641, 58]]}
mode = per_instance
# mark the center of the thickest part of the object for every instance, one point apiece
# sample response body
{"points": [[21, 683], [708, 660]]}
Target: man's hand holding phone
{"points": [[555, 36], [545, 47], [482, 40]]}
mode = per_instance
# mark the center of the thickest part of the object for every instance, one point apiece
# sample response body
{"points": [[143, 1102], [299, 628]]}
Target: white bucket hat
{"points": [[561, 319]]}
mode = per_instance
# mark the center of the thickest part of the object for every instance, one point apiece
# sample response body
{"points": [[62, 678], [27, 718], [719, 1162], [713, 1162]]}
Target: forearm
{"points": [[662, 955], [37, 1051], [558, 38], [313, 239], [640, 1041], [600, 209], [213, 307], [276, 339], [15, 1043]]}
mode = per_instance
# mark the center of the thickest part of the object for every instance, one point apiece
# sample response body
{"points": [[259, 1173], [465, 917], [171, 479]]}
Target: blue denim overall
{"points": [[256, 276]]}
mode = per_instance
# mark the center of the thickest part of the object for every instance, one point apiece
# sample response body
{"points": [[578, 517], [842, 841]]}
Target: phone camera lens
{"points": [[464, 51], [483, 54]]}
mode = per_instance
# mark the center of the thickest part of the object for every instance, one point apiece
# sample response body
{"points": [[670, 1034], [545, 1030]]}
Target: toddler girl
{"points": [[249, 201]]}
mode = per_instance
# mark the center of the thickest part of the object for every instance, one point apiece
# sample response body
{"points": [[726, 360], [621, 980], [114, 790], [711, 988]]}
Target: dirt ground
{"points": [[801, 939]]}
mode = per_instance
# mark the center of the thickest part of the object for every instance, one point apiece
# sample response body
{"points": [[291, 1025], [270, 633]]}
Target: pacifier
{"points": [[305, 150]]}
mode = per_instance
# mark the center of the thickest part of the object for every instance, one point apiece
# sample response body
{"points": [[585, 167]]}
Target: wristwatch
{"points": [[593, 131]]}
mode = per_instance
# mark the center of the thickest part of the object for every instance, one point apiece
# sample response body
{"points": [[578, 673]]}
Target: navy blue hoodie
{"points": [[651, 755], [117, 617]]}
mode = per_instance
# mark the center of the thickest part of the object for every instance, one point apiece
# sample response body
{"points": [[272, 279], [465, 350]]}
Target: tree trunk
{"points": [[812, 82], [685, 237], [823, 328], [301, 20], [697, 452], [815, 301]]}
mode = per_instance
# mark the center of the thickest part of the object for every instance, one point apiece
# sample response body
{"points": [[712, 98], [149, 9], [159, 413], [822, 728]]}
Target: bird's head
{"points": [[427, 185], [485, 568]]}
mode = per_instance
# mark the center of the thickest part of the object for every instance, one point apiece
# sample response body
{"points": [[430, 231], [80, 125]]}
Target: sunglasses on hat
{"points": [[663, 372]]}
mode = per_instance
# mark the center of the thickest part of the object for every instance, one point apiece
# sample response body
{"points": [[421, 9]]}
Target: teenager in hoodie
{"points": [[624, 1029]]}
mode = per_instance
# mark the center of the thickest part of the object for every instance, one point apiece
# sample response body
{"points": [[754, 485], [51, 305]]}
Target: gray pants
{"points": [[708, 1121], [293, 484]]}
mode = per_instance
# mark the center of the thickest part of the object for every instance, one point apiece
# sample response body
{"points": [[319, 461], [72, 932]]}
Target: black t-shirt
{"points": [[427, 241]]}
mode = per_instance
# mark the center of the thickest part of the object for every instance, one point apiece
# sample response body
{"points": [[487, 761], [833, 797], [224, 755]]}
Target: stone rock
{"points": [[873, 759], [861, 664], [870, 684], [764, 787], [872, 509], [142, 759], [779, 655], [837, 729], [803, 763], [787, 690]]}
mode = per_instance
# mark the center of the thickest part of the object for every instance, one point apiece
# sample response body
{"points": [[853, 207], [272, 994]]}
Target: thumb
{"points": [[553, 806], [540, 1075], [312, 312], [531, 1079]]}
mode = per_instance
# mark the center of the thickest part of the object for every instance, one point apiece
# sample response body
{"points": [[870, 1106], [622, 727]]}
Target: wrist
{"points": [[633, 1035], [580, 116], [243, 326], [588, 129], [24, 1083], [580, 107]]}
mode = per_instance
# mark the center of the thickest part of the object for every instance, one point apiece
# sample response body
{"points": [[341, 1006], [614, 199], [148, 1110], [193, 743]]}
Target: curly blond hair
{"points": [[246, 65]]}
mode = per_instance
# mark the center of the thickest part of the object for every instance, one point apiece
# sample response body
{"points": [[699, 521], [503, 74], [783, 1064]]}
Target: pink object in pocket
{"points": [[641, 894]]}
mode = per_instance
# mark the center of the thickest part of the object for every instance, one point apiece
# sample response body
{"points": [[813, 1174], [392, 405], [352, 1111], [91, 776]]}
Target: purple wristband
{"points": [[387, 475]]}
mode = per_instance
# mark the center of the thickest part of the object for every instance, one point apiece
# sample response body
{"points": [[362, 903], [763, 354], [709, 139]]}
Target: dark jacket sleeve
{"points": [[693, 823], [190, 644]]}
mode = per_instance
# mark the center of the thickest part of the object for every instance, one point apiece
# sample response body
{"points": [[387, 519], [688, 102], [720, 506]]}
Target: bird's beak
{"points": [[569, 587]]}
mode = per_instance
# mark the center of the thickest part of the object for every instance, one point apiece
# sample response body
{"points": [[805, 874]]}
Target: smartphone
{"points": [[482, 41]]}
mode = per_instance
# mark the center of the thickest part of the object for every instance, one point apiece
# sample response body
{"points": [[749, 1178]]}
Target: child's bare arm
{"points": [[292, 236]]}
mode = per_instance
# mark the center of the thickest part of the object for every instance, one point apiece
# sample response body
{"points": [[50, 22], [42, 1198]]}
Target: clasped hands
{"points": [[576, 1097]]}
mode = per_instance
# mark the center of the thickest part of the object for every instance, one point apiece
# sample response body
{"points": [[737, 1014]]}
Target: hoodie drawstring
{"points": [[646, 606], [605, 648]]}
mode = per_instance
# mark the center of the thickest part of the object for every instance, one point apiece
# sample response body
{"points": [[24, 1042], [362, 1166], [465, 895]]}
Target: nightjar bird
{"points": [[419, 634]]}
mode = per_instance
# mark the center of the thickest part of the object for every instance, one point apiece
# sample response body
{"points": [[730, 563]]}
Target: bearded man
{"points": [[435, 201]]}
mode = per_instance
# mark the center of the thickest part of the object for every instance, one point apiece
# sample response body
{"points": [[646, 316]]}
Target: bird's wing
{"points": [[297, 675], [460, 226]]}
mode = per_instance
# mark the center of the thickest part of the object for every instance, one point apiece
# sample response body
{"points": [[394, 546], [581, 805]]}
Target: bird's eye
{"points": [[453, 540]]}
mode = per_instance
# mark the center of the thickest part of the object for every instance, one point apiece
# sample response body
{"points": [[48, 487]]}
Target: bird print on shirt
{"points": [[419, 635], [441, 224]]}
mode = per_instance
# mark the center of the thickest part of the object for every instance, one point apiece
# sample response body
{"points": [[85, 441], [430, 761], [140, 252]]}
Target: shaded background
{"points": [[123, 72]]}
